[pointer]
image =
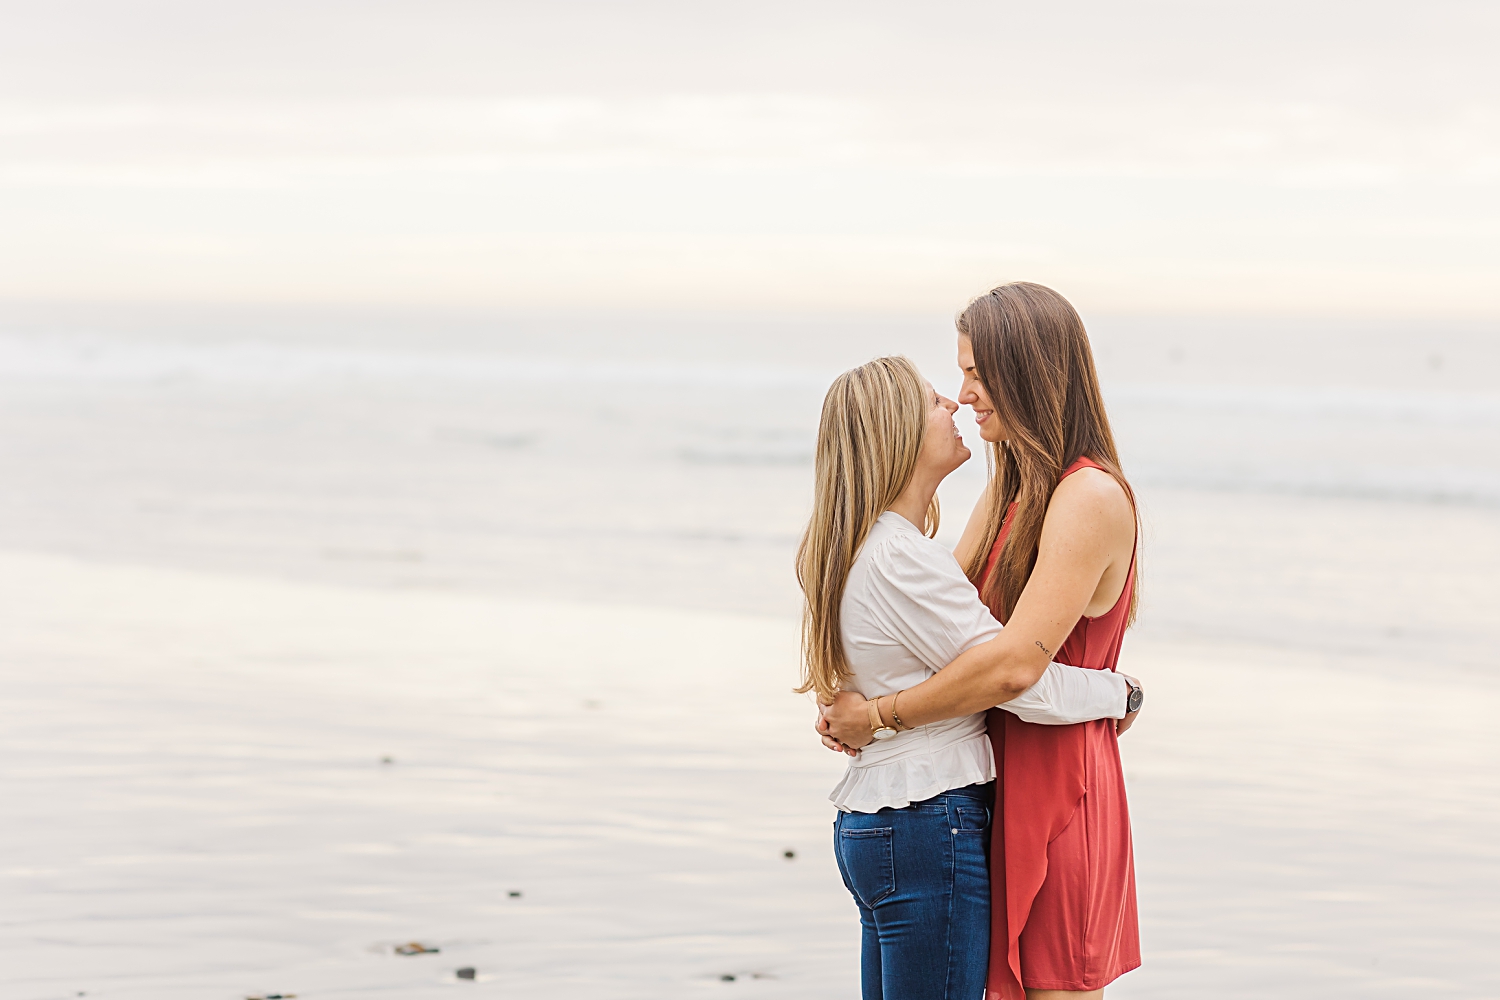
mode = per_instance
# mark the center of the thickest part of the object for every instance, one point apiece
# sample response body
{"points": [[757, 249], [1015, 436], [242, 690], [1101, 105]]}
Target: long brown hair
{"points": [[1032, 356], [869, 437]]}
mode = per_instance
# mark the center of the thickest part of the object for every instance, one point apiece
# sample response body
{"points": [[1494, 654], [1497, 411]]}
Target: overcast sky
{"points": [[1164, 157]]}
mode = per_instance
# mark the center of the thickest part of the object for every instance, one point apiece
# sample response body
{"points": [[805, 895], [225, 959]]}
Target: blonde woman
{"points": [[886, 608]]}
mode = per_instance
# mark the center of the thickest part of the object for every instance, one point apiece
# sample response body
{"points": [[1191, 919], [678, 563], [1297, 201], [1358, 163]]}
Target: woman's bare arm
{"points": [[1089, 532]]}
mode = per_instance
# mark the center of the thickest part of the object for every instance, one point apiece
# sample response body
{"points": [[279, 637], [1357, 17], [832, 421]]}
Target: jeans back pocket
{"points": [[869, 863]]}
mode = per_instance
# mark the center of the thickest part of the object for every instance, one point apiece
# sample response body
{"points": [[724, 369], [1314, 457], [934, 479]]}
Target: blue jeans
{"points": [[921, 878]]}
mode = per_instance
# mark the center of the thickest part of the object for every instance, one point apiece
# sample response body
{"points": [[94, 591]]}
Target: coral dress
{"points": [[1062, 875]]}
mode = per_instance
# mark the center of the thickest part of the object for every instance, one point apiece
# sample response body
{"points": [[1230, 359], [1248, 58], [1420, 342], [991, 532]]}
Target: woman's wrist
{"points": [[884, 712], [901, 727]]}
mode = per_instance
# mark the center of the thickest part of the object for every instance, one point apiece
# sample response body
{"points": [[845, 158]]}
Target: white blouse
{"points": [[908, 611]]}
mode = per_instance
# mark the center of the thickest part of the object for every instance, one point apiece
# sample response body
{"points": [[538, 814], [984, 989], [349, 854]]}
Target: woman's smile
{"points": [[973, 395]]}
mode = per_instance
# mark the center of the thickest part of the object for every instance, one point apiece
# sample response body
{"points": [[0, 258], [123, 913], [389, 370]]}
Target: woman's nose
{"points": [[948, 404]]}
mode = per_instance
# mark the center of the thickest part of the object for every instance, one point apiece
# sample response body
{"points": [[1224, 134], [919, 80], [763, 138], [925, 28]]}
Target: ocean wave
{"points": [[1446, 486], [101, 359], [1326, 402], [252, 362]]}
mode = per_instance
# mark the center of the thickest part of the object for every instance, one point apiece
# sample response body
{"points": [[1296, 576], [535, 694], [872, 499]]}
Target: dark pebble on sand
{"points": [[514, 894], [465, 973], [387, 760], [726, 978], [789, 854]]}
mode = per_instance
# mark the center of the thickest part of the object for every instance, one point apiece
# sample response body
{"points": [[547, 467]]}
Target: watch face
{"points": [[1133, 703], [885, 733]]}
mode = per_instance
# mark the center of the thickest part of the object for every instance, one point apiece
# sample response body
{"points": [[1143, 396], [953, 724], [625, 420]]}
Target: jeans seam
{"points": [[890, 868], [953, 821]]}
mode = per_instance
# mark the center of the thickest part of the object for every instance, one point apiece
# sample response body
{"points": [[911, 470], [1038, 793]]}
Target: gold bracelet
{"points": [[895, 715]]}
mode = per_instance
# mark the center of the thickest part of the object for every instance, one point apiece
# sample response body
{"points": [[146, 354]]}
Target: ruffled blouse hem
{"points": [[899, 783]]}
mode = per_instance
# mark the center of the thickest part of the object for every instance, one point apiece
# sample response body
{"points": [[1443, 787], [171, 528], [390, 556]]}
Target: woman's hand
{"points": [[847, 720], [821, 726]]}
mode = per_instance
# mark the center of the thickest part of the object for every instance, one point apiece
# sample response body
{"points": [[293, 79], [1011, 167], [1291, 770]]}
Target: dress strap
{"points": [[1084, 462]]}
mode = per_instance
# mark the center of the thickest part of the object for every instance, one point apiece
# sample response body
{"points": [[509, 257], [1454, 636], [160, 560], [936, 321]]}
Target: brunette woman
{"points": [[1051, 548]]}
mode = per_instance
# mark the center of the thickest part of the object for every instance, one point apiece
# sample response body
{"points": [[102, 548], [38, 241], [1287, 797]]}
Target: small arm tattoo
{"points": [[1043, 648]]}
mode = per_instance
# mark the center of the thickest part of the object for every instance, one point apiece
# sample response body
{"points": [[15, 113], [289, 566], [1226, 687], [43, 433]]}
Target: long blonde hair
{"points": [[869, 436], [1032, 356]]}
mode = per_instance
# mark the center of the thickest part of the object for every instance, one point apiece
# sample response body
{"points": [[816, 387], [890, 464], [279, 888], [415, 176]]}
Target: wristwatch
{"points": [[882, 731], [1136, 698]]}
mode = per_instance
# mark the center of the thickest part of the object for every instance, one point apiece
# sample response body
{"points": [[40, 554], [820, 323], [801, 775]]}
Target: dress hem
{"points": [[1074, 986]]}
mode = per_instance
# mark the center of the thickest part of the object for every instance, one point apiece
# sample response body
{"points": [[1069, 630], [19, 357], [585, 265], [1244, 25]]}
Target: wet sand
{"points": [[198, 804], [199, 807]]}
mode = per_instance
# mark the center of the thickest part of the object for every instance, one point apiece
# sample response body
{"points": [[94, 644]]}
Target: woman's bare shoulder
{"points": [[1095, 496]]}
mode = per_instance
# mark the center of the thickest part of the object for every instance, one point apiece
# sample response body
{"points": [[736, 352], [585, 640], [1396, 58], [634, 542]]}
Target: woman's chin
{"points": [[958, 460]]}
